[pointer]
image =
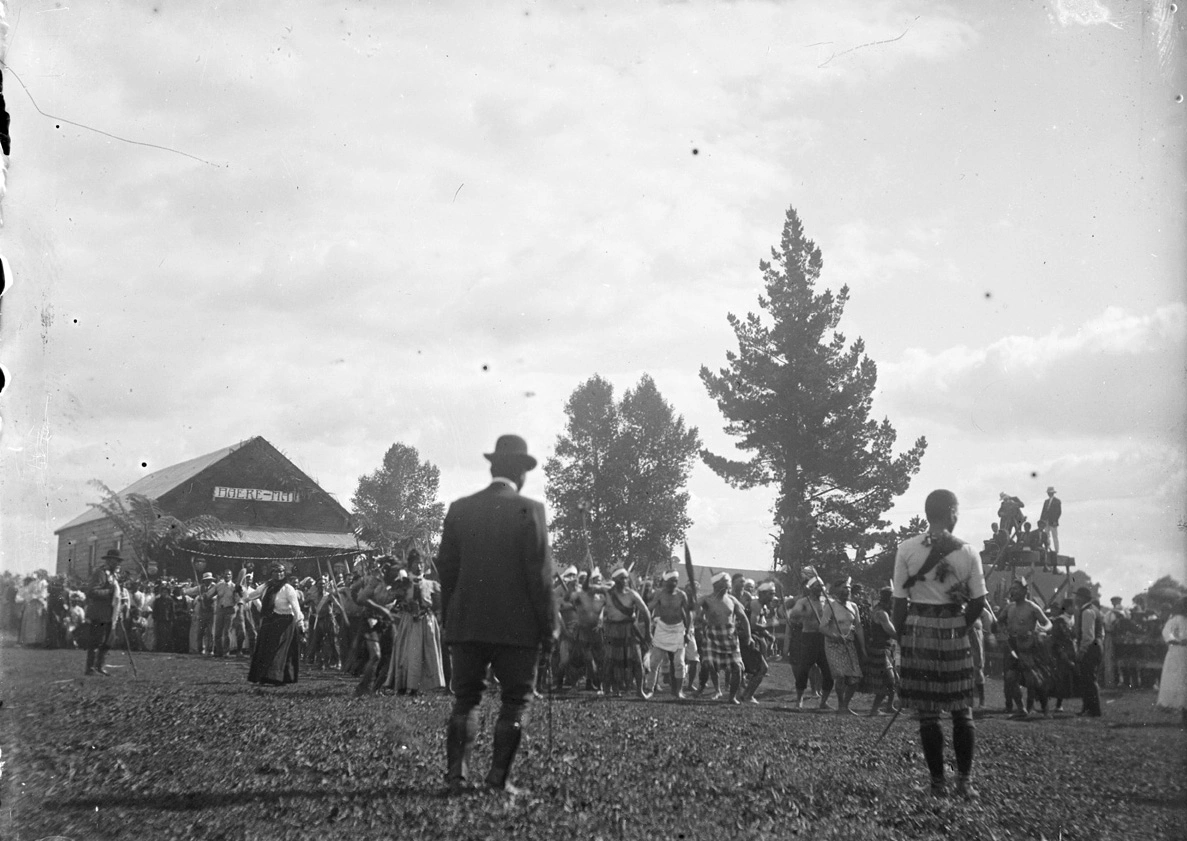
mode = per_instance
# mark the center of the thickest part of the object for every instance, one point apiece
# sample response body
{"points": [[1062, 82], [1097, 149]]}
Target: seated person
{"points": [[1029, 539]]}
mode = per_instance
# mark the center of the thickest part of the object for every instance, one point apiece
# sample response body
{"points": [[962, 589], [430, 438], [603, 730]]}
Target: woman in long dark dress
{"points": [[277, 654], [880, 668], [181, 621]]}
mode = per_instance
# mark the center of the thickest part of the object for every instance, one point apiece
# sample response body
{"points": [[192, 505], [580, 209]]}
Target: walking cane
{"points": [[550, 709], [127, 646]]}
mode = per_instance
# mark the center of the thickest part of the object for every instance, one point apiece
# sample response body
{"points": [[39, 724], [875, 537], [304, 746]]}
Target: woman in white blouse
{"points": [[277, 653], [1172, 688]]}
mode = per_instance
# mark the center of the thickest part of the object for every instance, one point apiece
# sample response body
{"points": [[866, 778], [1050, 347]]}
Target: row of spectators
{"points": [[181, 616]]}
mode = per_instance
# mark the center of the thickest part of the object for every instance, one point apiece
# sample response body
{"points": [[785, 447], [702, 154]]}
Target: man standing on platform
{"points": [[497, 603], [103, 600], [1052, 511]]}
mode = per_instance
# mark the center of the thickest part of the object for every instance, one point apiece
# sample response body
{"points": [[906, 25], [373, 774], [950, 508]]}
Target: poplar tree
{"points": [[616, 483], [396, 507]]}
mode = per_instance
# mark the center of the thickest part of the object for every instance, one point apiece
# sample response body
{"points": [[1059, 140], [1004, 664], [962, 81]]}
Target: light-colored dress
{"points": [[840, 640], [416, 653], [34, 595], [1172, 687]]}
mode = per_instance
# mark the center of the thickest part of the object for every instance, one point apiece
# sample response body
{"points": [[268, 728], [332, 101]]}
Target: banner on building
{"points": [[255, 495]]}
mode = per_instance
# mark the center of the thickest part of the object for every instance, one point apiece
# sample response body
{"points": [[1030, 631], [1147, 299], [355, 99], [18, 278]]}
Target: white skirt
{"points": [[1172, 686], [668, 637]]}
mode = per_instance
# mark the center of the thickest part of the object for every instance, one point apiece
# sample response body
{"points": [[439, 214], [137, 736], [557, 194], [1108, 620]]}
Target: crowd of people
{"points": [[1013, 531], [493, 602], [334, 620], [381, 622]]}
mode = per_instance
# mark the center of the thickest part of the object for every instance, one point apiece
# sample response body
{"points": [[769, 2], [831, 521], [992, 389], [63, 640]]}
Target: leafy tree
{"points": [[1162, 595], [150, 533], [875, 569], [396, 507], [616, 483], [798, 397], [583, 476]]}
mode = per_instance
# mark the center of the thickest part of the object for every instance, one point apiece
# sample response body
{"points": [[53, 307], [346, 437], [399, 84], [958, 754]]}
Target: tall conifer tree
{"points": [[798, 397]]}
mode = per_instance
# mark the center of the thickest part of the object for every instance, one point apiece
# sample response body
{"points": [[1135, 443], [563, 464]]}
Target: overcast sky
{"points": [[429, 224]]}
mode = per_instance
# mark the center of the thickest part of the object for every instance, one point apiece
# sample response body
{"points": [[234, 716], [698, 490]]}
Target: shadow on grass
{"points": [[1143, 725], [1172, 803], [194, 801]]}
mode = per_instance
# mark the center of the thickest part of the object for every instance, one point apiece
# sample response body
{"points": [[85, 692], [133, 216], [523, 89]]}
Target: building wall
{"points": [[81, 548], [256, 466]]}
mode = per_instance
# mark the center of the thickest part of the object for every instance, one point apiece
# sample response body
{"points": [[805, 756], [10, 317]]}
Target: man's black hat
{"points": [[511, 449]]}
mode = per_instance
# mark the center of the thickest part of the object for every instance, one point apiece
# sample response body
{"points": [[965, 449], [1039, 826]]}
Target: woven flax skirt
{"points": [[937, 662]]}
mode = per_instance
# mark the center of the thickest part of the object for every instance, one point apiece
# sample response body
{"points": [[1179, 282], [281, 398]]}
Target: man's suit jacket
{"points": [[1052, 509], [496, 571], [102, 596]]}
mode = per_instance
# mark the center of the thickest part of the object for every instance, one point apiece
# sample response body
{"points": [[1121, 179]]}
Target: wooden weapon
{"points": [[886, 729]]}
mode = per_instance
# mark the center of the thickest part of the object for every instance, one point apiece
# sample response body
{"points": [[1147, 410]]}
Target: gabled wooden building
{"points": [[271, 507]]}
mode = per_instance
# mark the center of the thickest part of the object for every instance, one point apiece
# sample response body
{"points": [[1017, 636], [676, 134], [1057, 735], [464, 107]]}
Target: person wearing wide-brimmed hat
{"points": [[202, 614], [497, 604], [277, 655], [102, 612], [1052, 511]]}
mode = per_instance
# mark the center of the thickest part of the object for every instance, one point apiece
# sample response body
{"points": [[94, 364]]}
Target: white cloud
{"points": [[330, 287], [1119, 372]]}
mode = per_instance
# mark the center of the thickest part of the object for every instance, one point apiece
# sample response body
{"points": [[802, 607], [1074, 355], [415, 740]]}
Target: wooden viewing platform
{"points": [[1013, 556]]}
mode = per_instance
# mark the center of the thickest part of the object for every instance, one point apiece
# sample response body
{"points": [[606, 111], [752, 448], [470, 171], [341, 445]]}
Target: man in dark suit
{"points": [[102, 612], [1052, 509], [497, 603]]}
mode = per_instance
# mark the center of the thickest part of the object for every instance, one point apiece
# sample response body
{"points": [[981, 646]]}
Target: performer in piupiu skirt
{"points": [[939, 592], [277, 654]]}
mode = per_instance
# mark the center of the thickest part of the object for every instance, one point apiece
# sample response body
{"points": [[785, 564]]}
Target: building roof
{"points": [[157, 484]]}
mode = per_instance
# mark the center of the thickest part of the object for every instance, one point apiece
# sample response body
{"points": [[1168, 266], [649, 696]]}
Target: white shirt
{"points": [[286, 603], [964, 571]]}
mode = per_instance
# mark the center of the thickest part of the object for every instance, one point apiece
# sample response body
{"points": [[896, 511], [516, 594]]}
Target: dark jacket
{"points": [[1052, 510], [102, 596], [496, 571]]}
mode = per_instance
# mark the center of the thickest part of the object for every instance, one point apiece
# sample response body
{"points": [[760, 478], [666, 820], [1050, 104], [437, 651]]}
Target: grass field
{"points": [[189, 749]]}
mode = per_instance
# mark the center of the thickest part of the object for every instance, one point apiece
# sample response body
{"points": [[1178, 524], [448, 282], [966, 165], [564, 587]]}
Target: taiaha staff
{"points": [[124, 626], [333, 590], [893, 718]]}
